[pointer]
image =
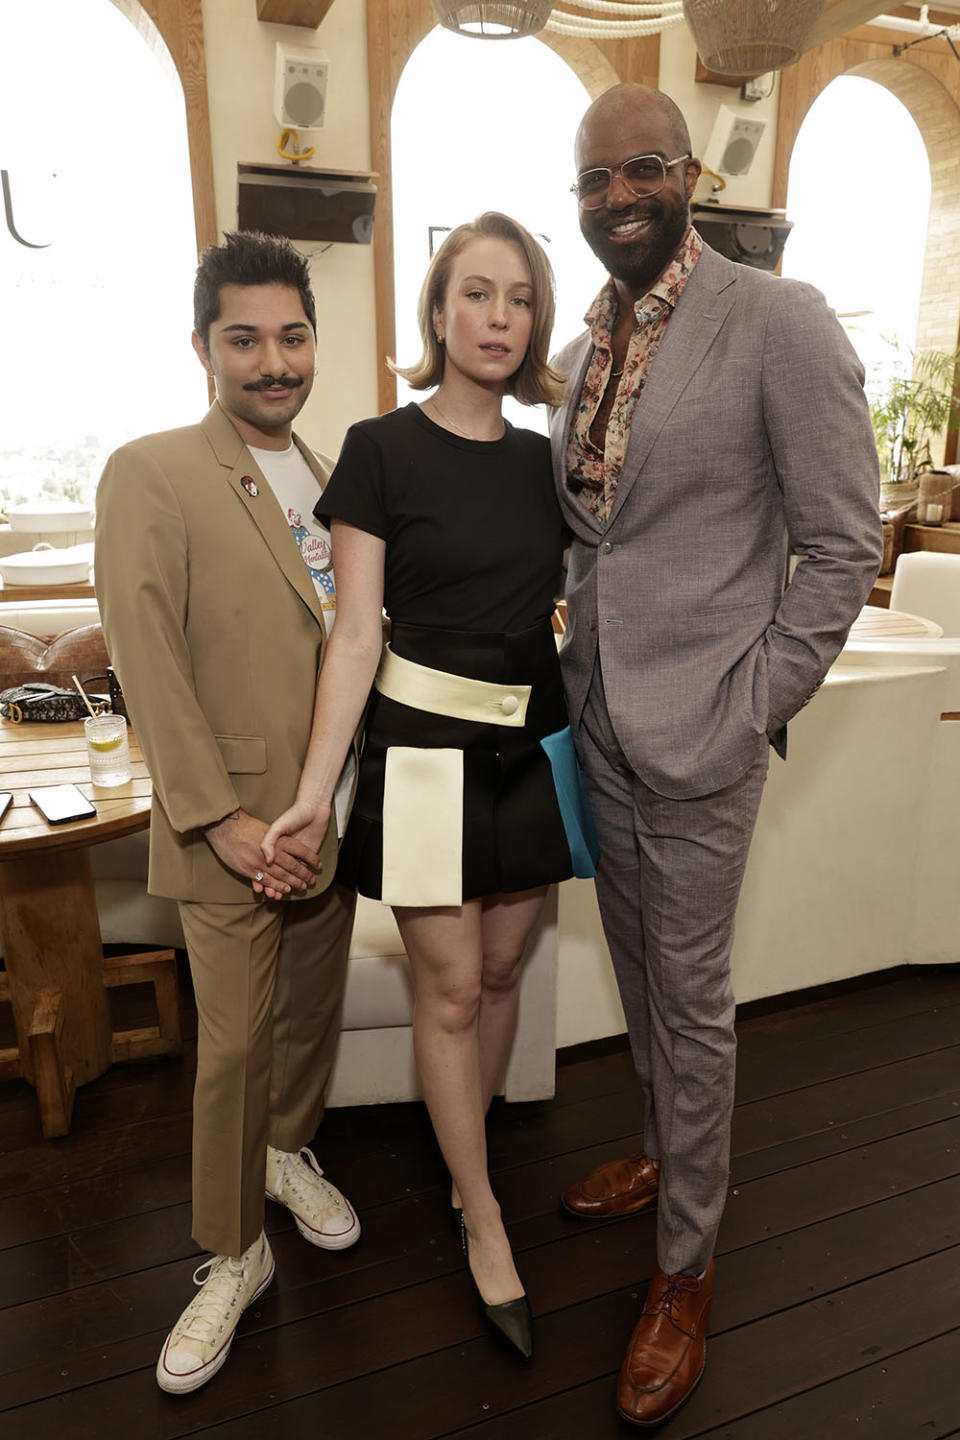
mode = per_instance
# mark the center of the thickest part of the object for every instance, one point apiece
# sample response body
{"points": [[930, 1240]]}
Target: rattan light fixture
{"points": [[750, 37], [493, 19]]}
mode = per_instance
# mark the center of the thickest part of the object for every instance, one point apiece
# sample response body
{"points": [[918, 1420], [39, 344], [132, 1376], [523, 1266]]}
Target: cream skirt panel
{"points": [[422, 827]]}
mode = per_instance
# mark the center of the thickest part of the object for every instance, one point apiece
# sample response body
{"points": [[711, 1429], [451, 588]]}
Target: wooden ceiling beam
{"points": [[307, 13], [846, 15]]}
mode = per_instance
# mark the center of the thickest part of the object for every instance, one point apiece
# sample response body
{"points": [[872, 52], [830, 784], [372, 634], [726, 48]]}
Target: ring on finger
{"points": [[259, 876]]}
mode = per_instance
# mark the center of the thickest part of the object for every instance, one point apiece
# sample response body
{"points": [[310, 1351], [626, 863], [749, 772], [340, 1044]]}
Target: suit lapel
{"points": [[261, 504], [701, 311], [561, 424]]}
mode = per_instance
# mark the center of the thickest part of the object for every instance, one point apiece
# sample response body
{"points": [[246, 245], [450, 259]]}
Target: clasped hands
{"points": [[276, 859]]}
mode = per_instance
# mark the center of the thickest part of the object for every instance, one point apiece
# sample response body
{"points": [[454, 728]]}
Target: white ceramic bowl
{"points": [[45, 517], [68, 566]]}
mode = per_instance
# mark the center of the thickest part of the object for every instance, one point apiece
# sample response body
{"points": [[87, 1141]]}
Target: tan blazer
{"points": [[216, 632]]}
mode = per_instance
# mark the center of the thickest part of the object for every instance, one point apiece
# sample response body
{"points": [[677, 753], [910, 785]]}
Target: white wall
{"points": [[700, 105], [240, 52]]}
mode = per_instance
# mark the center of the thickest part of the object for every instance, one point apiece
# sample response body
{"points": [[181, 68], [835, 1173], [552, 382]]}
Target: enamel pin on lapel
{"points": [[250, 485]]}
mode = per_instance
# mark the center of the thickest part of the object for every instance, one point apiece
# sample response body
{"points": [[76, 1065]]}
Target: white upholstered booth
{"points": [[375, 1060], [852, 870], [853, 865]]}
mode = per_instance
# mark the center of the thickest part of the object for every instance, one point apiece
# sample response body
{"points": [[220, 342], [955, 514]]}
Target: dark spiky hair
{"points": [[248, 257]]}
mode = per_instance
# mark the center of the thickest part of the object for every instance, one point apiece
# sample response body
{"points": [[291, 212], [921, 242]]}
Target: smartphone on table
{"points": [[59, 804], [5, 801]]}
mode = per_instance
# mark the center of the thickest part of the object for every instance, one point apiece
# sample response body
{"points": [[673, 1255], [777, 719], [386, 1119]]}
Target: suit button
{"points": [[510, 705], [606, 547]]}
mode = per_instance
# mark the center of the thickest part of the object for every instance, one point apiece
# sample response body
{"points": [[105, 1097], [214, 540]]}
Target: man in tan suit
{"points": [[214, 586]]}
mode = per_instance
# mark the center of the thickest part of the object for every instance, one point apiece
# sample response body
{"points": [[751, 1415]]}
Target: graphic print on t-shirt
{"points": [[316, 552]]}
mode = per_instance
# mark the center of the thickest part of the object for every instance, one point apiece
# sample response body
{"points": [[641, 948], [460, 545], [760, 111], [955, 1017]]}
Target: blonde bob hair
{"points": [[534, 382]]}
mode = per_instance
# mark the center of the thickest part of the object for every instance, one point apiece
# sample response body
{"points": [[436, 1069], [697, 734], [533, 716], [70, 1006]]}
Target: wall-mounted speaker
{"points": [[733, 142], [304, 203], [300, 88], [751, 237]]}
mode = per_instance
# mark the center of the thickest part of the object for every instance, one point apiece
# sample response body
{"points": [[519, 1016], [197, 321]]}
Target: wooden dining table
{"points": [[56, 977]]}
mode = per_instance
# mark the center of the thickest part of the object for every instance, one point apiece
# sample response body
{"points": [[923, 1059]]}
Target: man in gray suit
{"points": [[715, 417]]}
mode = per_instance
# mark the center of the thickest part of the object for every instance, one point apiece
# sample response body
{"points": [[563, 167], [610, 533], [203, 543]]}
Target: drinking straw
{"points": [[83, 696]]}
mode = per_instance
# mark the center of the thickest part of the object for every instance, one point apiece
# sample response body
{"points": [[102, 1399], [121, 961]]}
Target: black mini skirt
{"points": [[513, 832]]}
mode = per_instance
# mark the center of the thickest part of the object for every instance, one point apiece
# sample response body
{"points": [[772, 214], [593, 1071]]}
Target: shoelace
{"points": [[669, 1297], [218, 1289], [304, 1186]]}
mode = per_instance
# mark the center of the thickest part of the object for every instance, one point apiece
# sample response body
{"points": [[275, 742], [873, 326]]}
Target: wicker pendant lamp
{"points": [[493, 19], [749, 37]]}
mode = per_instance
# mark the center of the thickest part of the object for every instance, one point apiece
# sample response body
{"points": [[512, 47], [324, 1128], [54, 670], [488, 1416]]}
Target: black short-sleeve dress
{"points": [[474, 541]]}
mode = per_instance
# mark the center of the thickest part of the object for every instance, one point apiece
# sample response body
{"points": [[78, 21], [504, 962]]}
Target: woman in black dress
{"points": [[445, 515]]}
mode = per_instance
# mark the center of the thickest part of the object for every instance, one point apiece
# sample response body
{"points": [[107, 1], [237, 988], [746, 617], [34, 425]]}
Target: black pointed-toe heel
{"points": [[513, 1322]]}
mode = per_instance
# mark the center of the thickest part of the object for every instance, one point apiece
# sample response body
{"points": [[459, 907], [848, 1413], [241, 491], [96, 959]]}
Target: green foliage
{"points": [[54, 472], [913, 412]]}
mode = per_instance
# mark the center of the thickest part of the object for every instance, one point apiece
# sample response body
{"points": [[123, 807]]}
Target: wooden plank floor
{"points": [[838, 1300]]}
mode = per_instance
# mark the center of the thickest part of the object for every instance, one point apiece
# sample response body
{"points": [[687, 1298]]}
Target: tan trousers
{"points": [[269, 985]]}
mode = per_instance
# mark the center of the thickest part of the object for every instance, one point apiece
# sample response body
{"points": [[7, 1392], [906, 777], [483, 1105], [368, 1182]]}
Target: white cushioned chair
{"points": [[928, 584]]}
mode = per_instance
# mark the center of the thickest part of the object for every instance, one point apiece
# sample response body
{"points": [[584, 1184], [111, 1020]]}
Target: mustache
{"points": [[285, 382]]}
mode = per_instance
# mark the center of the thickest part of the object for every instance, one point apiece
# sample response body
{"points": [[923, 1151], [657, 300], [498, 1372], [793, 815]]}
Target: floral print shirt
{"points": [[594, 474]]}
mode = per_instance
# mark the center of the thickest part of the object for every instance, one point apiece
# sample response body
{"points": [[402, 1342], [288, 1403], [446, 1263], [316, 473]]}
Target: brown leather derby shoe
{"points": [[667, 1350], [620, 1187]]}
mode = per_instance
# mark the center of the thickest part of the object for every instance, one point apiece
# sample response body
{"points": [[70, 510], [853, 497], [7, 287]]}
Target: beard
{"points": [[637, 265]]}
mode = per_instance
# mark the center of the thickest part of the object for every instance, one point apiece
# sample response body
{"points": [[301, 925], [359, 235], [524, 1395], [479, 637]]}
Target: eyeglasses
{"points": [[643, 175]]}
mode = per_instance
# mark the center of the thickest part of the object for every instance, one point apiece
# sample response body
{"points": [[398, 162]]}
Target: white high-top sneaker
{"points": [[324, 1216], [200, 1341]]}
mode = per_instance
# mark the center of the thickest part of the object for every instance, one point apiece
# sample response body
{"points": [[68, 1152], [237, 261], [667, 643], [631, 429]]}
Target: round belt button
{"points": [[606, 547], [510, 705]]}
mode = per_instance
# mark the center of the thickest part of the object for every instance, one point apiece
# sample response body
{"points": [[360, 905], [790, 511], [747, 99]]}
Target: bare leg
{"points": [[446, 952], [507, 923]]}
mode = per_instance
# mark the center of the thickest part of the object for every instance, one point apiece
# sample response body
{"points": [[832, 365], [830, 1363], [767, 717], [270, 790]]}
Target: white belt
{"points": [[441, 693]]}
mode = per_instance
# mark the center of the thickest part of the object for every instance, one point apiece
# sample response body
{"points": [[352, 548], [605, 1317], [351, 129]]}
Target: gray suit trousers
{"points": [[668, 883]]}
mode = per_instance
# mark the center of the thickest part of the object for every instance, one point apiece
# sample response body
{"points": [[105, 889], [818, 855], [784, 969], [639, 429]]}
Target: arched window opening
{"points": [[479, 127], [97, 251], [859, 196]]}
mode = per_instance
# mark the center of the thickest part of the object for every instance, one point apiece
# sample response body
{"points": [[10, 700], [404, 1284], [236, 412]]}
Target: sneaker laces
{"points": [[219, 1289], [301, 1178]]}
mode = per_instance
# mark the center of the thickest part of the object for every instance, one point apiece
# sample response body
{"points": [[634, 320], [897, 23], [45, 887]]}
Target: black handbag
{"points": [[36, 700]]}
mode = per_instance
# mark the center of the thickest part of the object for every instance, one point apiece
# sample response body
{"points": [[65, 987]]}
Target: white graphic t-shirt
{"points": [[297, 491]]}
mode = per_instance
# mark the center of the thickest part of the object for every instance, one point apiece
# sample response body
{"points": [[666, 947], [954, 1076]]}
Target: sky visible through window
{"points": [[96, 322], [859, 197]]}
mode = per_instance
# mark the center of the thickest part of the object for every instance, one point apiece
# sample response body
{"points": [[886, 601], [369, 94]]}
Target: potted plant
{"points": [[909, 416]]}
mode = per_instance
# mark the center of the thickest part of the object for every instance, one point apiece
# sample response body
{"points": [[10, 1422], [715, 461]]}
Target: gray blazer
{"points": [[752, 431]]}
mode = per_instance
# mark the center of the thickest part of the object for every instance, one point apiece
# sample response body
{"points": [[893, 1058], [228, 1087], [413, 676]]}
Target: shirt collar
{"points": [[669, 287]]}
